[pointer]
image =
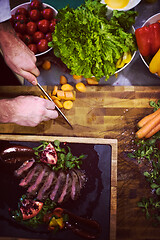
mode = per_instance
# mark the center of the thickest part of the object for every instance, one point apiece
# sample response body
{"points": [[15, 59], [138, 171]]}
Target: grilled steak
{"points": [[42, 182], [24, 167], [44, 191], [66, 189], [32, 190], [55, 192]]}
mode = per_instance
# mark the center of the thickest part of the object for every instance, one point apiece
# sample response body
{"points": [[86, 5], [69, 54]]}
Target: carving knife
{"points": [[57, 108]]}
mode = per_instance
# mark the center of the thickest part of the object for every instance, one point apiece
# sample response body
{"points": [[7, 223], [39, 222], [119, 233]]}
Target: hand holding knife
{"points": [[57, 108]]}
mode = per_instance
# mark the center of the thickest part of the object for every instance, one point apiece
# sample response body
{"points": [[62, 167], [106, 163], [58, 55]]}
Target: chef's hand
{"points": [[16, 54], [27, 110]]}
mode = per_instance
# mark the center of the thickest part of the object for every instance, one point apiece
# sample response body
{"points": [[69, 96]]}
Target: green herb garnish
{"points": [[66, 160], [148, 151]]}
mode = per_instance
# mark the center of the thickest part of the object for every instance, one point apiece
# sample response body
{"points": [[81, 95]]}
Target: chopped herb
{"points": [[66, 160]]}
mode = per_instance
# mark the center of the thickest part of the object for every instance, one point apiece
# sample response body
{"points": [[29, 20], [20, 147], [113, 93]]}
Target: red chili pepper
{"points": [[148, 39]]}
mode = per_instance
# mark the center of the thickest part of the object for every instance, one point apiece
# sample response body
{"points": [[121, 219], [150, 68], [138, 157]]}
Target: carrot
{"points": [[55, 98], [81, 87], [153, 131], [92, 81], [142, 132], [76, 77], [60, 94], [58, 103], [69, 96], [63, 80], [46, 65], [54, 90], [67, 87], [68, 104], [147, 118]]}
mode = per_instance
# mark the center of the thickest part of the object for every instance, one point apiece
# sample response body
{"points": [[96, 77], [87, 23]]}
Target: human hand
{"points": [[17, 55], [27, 110]]}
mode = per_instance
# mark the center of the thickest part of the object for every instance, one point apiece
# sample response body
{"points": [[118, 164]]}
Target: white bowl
{"points": [[26, 6], [119, 70], [149, 21], [130, 5]]}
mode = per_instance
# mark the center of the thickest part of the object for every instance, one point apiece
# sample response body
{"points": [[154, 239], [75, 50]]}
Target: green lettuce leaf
{"points": [[90, 44]]}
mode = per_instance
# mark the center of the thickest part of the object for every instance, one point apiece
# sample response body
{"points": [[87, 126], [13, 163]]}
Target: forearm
{"points": [[7, 33], [6, 111]]}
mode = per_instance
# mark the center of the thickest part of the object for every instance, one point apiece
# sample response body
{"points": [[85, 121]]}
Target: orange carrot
{"points": [[81, 87], [55, 90], [69, 96], [46, 65], [60, 94], [76, 77], [147, 118], [142, 132], [153, 131], [54, 98], [63, 80], [68, 104], [92, 81], [58, 103], [67, 87]]}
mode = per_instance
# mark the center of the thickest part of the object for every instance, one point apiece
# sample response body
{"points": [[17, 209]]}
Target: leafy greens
{"points": [[148, 150], [90, 44]]}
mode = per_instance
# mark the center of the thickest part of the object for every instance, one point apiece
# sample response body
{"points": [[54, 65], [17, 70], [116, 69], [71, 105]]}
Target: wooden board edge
{"points": [[112, 142], [113, 210]]}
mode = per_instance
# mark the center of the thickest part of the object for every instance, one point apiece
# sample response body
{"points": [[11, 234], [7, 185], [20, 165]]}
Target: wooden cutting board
{"points": [[112, 113], [102, 111]]}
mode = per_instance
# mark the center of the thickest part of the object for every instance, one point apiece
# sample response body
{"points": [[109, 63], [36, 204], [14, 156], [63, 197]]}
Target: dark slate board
{"points": [[94, 201]]}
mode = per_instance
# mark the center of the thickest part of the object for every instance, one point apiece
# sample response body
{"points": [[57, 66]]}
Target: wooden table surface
{"points": [[111, 113]]}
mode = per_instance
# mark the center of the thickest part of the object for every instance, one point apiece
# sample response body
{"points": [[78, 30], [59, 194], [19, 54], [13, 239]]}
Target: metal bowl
{"points": [[150, 20], [26, 6]]}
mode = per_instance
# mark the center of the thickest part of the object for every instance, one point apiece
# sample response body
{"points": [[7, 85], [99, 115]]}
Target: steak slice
{"points": [[82, 177], [75, 188], [44, 190], [58, 186], [24, 167], [31, 176], [66, 189], [32, 190]]}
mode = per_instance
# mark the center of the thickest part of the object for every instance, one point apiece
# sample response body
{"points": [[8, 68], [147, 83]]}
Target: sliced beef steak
{"points": [[66, 190], [42, 182], [24, 167], [56, 190], [41, 177], [44, 191]]}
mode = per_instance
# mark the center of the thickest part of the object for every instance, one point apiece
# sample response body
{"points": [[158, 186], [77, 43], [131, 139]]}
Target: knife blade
{"points": [[57, 108]]}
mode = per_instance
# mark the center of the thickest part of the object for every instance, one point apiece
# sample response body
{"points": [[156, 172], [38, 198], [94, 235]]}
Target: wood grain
{"points": [[110, 113]]}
